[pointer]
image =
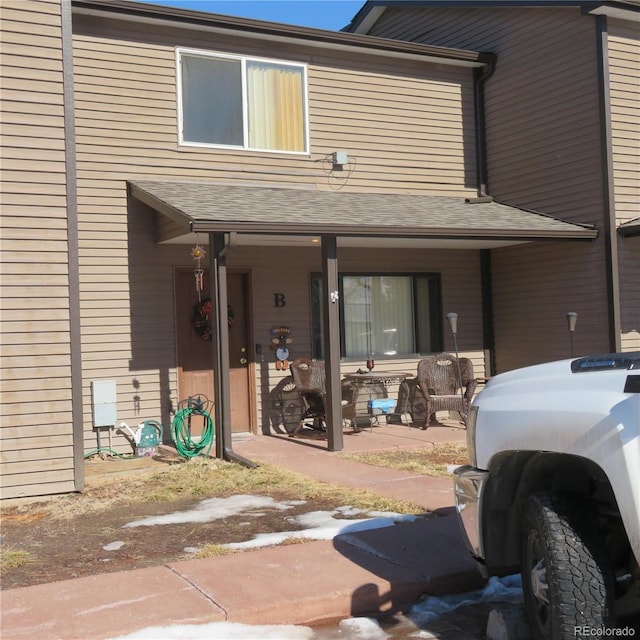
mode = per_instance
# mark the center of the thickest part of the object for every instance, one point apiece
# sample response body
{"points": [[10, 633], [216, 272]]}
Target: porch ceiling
{"points": [[250, 211]]}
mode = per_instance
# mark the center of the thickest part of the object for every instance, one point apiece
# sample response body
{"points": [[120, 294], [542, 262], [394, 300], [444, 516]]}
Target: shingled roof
{"points": [[204, 207]]}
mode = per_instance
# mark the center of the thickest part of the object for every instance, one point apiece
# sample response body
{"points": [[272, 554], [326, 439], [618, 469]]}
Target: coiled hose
{"points": [[181, 432]]}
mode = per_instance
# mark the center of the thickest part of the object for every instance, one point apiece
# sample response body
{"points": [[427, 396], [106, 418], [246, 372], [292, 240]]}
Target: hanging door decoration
{"points": [[201, 316]]}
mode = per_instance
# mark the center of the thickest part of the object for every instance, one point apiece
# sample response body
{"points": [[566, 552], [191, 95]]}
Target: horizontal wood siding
{"points": [[624, 88], [629, 256], [35, 375], [542, 101], [543, 153], [407, 131], [127, 313], [407, 127], [534, 288]]}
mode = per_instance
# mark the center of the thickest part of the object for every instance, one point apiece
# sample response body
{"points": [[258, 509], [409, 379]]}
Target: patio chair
{"points": [[309, 378], [439, 377]]}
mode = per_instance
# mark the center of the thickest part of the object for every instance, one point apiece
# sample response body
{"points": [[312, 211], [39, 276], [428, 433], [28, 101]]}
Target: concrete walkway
{"points": [[366, 572]]}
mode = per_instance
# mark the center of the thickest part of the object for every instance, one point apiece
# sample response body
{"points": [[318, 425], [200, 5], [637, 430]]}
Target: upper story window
{"points": [[242, 102]]}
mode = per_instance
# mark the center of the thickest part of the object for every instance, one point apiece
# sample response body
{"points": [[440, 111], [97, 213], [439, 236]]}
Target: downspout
{"points": [[480, 76], [606, 158], [220, 345]]}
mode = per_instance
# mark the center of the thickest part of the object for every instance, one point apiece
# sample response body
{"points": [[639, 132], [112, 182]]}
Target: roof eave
{"points": [[630, 229], [334, 40], [368, 15], [217, 226]]}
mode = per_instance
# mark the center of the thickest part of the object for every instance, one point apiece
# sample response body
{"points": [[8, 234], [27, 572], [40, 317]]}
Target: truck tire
{"points": [[565, 575]]}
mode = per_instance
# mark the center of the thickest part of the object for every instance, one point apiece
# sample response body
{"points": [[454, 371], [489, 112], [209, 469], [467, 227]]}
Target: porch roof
{"points": [[630, 228], [205, 207]]}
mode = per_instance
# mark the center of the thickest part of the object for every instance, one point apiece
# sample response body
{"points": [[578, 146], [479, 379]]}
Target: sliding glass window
{"points": [[242, 102]]}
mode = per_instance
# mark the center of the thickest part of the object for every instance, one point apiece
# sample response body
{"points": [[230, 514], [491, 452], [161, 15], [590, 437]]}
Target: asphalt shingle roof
{"points": [[213, 206]]}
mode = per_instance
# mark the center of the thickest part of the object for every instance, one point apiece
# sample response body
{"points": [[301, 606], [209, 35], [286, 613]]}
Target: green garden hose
{"points": [[181, 432]]}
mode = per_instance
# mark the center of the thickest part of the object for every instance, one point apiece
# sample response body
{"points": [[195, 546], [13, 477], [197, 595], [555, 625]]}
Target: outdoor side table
{"points": [[372, 386]]}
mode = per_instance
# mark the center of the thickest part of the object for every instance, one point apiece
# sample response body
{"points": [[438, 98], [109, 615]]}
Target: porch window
{"points": [[386, 315], [242, 102]]}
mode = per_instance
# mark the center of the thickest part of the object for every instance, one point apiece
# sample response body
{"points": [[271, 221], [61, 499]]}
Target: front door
{"points": [[195, 357]]}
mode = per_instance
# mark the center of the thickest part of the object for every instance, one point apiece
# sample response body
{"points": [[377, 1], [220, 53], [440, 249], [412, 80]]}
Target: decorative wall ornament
{"points": [[280, 339], [198, 254]]}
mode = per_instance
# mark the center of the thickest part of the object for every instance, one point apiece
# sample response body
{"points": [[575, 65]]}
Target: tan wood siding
{"points": [[406, 131], [543, 153], [624, 89], [410, 131], [36, 432], [542, 101], [532, 318], [629, 257], [624, 77]]}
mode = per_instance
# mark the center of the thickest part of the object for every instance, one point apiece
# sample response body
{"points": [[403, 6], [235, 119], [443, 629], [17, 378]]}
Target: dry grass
{"points": [[207, 478], [432, 461], [12, 558], [211, 551]]}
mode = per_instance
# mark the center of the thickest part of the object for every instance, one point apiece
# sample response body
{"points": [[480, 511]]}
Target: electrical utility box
{"points": [[103, 401]]}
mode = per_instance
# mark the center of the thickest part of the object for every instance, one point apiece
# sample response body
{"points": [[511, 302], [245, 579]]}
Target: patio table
{"points": [[369, 387]]}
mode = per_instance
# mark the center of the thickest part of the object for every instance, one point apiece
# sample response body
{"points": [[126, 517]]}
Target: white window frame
{"points": [[245, 107]]}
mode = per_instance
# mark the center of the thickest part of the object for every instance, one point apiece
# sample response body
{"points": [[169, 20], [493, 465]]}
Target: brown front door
{"points": [[195, 357]]}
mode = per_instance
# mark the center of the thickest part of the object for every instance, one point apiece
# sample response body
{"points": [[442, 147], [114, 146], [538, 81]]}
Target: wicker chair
{"points": [[439, 377], [309, 378]]}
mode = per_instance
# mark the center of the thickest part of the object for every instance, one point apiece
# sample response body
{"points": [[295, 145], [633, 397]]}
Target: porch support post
{"points": [[220, 343], [331, 329]]}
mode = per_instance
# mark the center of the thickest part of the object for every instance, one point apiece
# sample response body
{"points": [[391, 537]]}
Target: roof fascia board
{"points": [[212, 226], [620, 13], [275, 32], [369, 17]]}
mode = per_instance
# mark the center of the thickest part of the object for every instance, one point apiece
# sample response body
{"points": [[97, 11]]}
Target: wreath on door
{"points": [[200, 318]]}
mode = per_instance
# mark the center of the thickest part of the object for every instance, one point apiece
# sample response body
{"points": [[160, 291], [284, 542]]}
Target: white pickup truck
{"points": [[552, 490]]}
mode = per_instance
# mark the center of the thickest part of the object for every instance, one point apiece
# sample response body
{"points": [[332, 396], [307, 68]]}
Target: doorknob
{"points": [[243, 350], [243, 361]]}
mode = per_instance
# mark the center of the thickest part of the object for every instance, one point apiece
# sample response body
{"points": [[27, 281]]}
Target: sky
{"points": [[317, 525], [319, 14]]}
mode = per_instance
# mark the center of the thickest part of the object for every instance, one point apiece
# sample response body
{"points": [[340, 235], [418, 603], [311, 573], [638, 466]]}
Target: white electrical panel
{"points": [[340, 158], [103, 400]]}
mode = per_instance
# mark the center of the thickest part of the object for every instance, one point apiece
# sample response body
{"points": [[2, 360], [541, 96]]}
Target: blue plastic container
{"points": [[382, 405]]}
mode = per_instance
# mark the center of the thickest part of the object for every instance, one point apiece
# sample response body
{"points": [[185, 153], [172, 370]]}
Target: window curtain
{"points": [[275, 107], [378, 315]]}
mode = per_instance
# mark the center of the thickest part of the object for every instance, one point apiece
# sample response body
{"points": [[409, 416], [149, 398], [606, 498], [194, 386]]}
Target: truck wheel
{"points": [[565, 575]]}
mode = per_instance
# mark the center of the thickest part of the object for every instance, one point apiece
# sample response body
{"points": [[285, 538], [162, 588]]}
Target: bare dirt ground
{"points": [[61, 548]]}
